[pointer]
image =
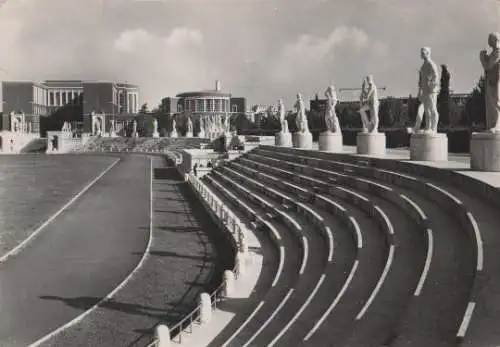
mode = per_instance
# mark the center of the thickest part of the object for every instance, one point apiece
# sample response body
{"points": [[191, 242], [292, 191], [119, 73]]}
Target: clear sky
{"points": [[261, 49]]}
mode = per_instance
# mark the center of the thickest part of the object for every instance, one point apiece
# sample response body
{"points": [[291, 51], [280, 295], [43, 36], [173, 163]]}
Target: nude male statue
{"points": [[428, 88]]}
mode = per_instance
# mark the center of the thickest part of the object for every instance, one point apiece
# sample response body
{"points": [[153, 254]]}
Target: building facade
{"points": [[69, 100], [200, 104]]}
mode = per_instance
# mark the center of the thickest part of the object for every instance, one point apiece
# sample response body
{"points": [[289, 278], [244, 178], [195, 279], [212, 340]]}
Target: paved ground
{"points": [[183, 261]]}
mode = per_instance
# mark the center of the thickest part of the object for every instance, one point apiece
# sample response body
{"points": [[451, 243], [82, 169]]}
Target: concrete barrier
{"points": [[162, 334], [228, 283], [205, 305]]}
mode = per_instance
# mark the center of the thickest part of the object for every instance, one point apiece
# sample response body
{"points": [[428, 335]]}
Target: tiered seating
{"points": [[127, 144], [450, 268], [340, 217], [397, 259]]}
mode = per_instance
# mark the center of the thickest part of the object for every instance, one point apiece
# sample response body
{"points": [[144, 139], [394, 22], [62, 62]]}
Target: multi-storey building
{"points": [[202, 103], [57, 101]]}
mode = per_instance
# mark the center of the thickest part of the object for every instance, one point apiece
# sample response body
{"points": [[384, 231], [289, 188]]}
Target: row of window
{"points": [[206, 105]]}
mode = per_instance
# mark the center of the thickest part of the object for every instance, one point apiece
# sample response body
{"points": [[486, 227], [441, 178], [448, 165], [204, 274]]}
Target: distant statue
{"points": [[227, 126], [331, 119], [428, 88], [174, 126], [134, 127], [369, 102], [189, 125], [155, 126], [302, 123], [112, 126], [491, 66], [282, 116]]}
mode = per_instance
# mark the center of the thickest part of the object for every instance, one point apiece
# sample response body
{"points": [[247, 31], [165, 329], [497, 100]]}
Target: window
{"points": [[64, 98], [179, 107], [234, 108]]}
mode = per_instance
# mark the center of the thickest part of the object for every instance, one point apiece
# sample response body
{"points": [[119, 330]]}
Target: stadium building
{"points": [[200, 104]]}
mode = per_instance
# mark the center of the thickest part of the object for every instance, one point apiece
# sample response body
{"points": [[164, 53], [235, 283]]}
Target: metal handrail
{"points": [[193, 316]]}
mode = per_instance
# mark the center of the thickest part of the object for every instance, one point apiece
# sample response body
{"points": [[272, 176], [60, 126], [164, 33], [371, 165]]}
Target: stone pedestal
{"points": [[282, 139], [201, 134], [371, 143], [156, 135], [485, 152], [189, 134], [428, 147], [302, 140], [173, 134], [330, 142], [135, 134]]}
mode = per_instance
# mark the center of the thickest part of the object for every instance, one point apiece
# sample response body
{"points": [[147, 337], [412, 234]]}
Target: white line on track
{"points": [[359, 237], [380, 282], [299, 312], [305, 255], [427, 265], [123, 283], [466, 319], [330, 243], [23, 244], [479, 242], [255, 311], [335, 302], [271, 317], [280, 266]]}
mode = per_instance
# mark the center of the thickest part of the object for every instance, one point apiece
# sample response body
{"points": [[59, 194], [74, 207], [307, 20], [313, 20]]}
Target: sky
{"points": [[261, 49]]}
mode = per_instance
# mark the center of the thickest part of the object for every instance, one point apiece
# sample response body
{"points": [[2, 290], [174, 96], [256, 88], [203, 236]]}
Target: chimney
{"points": [[217, 85]]}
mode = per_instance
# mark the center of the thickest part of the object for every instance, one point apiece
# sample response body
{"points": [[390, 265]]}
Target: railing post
{"points": [[205, 308], [228, 283], [240, 264], [163, 335], [243, 241]]}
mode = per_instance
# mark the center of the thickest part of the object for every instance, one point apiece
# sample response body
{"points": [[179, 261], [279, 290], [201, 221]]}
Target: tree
{"points": [[475, 108], [443, 101], [390, 111]]}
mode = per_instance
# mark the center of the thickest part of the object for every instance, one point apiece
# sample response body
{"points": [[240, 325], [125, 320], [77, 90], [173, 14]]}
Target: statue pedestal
{"points": [[485, 152], [429, 147], [201, 135], [330, 141], [113, 134], [371, 143], [135, 134], [173, 134], [282, 139], [156, 135], [302, 140], [189, 134]]}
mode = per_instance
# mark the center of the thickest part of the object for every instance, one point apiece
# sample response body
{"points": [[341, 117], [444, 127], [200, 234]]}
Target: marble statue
{"points": [[302, 123], [112, 126], [331, 119], [134, 127], [369, 102], [227, 125], [491, 66], [282, 115], [155, 126], [190, 125], [174, 126], [428, 88]]}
